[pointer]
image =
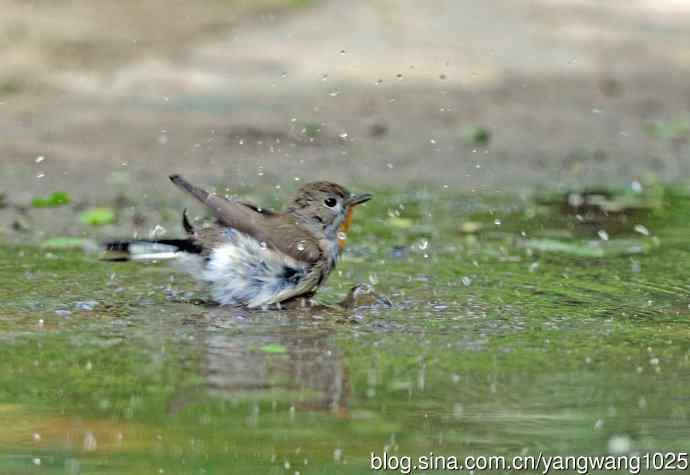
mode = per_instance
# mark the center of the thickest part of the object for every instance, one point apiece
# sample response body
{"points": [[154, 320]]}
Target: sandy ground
{"points": [[113, 96]]}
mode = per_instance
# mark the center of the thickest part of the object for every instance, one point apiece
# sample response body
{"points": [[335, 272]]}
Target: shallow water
{"points": [[518, 325]]}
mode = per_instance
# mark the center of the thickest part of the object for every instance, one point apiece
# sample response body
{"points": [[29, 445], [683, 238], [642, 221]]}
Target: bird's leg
{"points": [[301, 302]]}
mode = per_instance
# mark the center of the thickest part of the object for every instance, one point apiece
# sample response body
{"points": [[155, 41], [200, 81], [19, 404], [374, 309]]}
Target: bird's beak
{"points": [[355, 200]]}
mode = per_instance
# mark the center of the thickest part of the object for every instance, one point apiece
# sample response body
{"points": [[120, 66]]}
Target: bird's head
{"points": [[326, 206]]}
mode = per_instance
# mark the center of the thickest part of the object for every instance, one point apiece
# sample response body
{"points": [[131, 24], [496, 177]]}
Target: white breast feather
{"points": [[243, 272]]}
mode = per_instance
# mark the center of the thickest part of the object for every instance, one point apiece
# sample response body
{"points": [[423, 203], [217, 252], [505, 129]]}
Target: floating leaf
{"points": [[97, 216], [593, 249], [273, 348], [58, 198]]}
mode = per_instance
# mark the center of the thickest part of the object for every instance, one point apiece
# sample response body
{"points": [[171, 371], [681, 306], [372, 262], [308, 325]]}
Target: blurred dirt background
{"points": [[104, 99]]}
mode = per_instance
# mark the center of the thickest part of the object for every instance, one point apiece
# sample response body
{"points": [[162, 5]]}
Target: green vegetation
{"points": [[58, 198], [65, 243], [97, 216], [477, 136], [311, 129], [670, 129]]}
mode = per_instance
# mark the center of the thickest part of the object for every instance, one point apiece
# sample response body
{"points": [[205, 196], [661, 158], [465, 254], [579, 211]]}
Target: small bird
{"points": [[254, 257]]}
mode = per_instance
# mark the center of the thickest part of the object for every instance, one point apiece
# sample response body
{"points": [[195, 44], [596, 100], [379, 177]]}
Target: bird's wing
{"points": [[273, 229], [295, 241], [305, 288]]}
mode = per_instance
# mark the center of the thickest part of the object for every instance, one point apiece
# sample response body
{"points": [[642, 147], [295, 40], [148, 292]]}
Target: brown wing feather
{"points": [[245, 217]]}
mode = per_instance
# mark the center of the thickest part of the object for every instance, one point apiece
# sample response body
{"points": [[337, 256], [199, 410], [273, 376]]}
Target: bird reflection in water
{"points": [[250, 355]]}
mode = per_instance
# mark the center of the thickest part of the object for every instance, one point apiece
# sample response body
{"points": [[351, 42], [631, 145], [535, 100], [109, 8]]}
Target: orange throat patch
{"points": [[344, 228]]}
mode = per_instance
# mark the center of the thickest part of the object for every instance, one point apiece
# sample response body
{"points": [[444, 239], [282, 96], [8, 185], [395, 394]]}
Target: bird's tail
{"points": [[148, 249], [153, 249]]}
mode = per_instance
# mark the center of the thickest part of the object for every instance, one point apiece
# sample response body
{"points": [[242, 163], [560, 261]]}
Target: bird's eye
{"points": [[330, 202]]}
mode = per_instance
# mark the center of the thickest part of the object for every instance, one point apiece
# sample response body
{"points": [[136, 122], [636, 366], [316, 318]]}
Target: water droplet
{"points": [[636, 186], [338, 455], [619, 444], [157, 232], [334, 92], [603, 235], [423, 244], [283, 75], [399, 76], [343, 135], [342, 236], [300, 246], [37, 437], [641, 229], [373, 279], [263, 245], [39, 159], [599, 424], [497, 222], [342, 51], [379, 82], [324, 77], [40, 175], [575, 200], [466, 281], [86, 305], [36, 461]]}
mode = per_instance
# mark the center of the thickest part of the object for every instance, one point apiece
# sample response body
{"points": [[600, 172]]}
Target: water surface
{"points": [[557, 323]]}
